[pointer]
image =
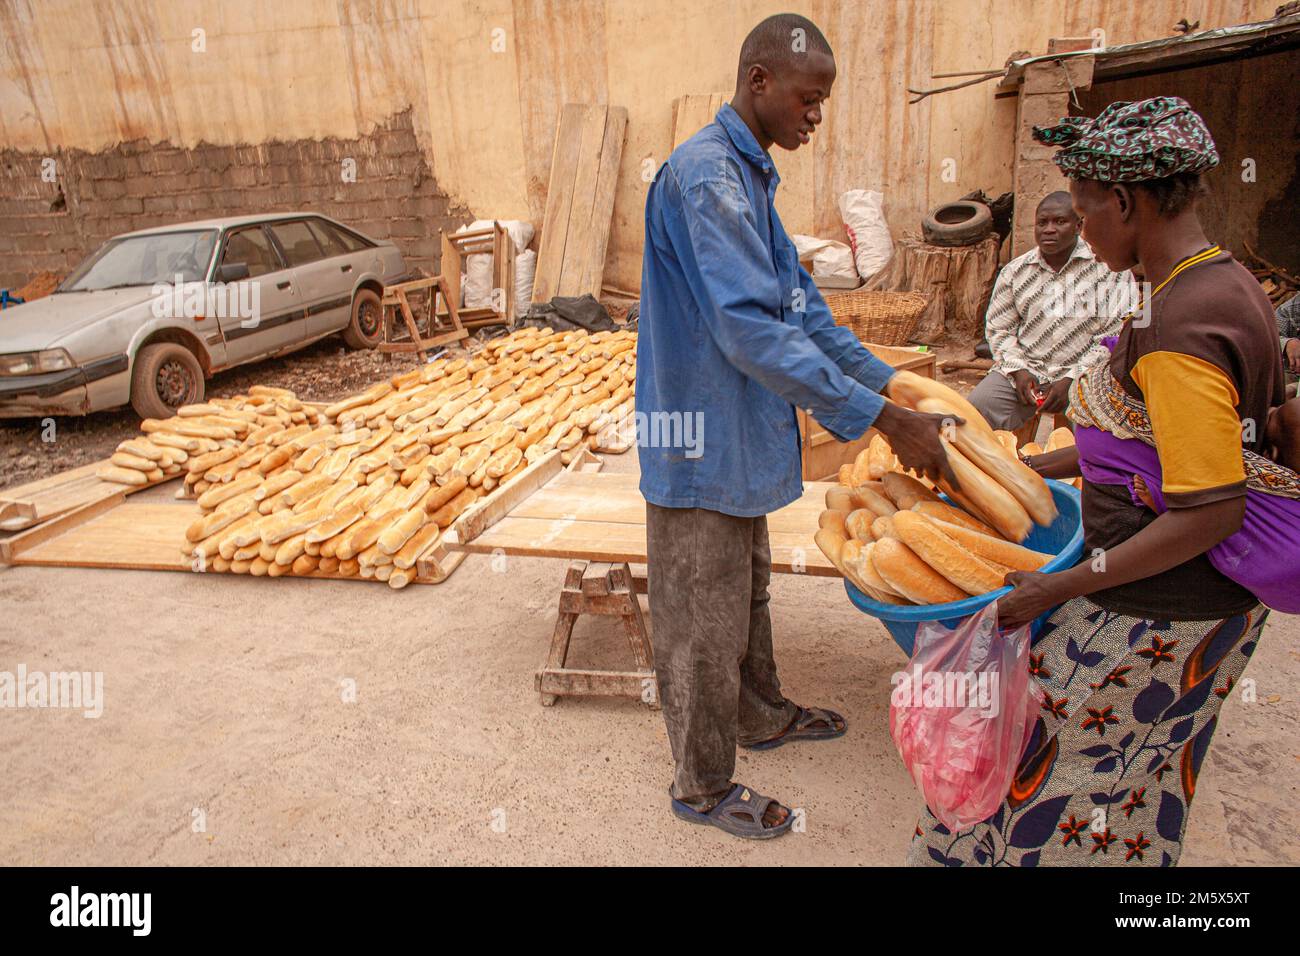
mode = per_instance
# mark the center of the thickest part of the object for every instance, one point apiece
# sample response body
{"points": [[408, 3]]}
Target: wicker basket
{"points": [[882, 318]]}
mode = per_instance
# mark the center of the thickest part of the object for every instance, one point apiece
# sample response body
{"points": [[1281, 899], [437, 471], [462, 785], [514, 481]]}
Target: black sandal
{"points": [[739, 813], [810, 723]]}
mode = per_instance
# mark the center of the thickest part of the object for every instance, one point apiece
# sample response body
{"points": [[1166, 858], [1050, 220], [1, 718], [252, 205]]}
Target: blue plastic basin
{"points": [[1064, 538]]}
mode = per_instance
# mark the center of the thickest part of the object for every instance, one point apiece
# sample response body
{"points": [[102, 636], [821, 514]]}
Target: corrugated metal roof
{"points": [[1189, 48]]}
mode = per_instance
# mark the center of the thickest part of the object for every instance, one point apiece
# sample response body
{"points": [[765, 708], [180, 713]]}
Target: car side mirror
{"points": [[232, 271]]}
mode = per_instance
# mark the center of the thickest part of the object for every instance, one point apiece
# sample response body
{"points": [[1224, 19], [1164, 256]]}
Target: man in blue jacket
{"points": [[733, 336]]}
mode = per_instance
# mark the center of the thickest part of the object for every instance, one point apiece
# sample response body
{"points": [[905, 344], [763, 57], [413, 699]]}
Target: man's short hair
{"points": [[780, 42], [1056, 198]]}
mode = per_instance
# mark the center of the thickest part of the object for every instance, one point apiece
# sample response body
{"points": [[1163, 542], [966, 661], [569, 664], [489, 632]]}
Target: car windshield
{"points": [[144, 260]]}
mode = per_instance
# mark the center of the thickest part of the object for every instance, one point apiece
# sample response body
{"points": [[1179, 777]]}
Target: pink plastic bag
{"points": [[962, 713]]}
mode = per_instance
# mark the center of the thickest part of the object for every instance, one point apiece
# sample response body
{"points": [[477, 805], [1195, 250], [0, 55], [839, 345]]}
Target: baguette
{"points": [[964, 569], [831, 542], [401, 530], [1059, 438], [337, 522], [859, 570], [908, 388], [122, 476], [988, 497], [870, 576], [906, 573], [858, 524], [454, 508], [873, 501], [905, 491], [942, 511], [121, 459], [994, 550], [880, 457], [1024, 484], [416, 545], [840, 498], [835, 520]]}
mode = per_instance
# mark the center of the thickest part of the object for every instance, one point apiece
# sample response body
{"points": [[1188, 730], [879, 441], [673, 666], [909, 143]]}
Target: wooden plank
{"points": [[27, 505], [592, 272], [569, 682], [485, 512], [581, 209], [13, 548], [141, 537], [622, 542], [559, 201], [693, 112]]}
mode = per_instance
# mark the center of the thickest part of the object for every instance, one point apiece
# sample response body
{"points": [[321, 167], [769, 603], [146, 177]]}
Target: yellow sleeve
{"points": [[1192, 407]]}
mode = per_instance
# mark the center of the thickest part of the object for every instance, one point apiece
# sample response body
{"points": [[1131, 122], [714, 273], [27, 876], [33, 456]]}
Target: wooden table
{"points": [[601, 517]]}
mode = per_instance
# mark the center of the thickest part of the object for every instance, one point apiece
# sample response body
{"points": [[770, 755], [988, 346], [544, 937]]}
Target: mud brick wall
{"points": [[138, 185]]}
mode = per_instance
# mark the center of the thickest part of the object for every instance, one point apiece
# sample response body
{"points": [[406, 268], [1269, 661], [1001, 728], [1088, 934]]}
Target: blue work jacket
{"points": [[734, 335]]}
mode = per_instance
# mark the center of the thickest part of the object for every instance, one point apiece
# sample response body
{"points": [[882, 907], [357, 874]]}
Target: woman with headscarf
{"points": [[1186, 522]]}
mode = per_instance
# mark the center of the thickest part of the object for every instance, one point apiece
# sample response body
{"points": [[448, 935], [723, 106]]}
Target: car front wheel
{"points": [[166, 376], [366, 328]]}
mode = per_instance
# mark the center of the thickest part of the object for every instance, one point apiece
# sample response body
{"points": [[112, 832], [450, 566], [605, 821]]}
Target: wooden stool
{"points": [[611, 590], [395, 301]]}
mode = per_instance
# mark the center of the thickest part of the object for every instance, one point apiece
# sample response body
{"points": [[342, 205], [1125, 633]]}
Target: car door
{"points": [[324, 289], [277, 302], [346, 258]]}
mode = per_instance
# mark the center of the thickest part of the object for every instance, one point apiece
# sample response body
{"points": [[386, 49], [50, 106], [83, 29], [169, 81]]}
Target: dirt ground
{"points": [[224, 697]]}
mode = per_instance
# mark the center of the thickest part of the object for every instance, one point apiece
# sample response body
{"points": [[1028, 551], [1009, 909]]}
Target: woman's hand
{"points": [[1031, 594]]}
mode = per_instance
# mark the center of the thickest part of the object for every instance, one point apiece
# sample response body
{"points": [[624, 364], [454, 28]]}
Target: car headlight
{"points": [[34, 363]]}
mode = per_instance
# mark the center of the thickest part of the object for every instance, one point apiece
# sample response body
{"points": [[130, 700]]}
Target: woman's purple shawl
{"points": [[1263, 557]]}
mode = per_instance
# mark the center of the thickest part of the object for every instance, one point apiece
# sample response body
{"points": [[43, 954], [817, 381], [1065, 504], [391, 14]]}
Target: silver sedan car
{"points": [[152, 314]]}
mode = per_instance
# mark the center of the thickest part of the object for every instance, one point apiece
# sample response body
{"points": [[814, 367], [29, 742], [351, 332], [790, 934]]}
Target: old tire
{"points": [[961, 223], [165, 377], [367, 324]]}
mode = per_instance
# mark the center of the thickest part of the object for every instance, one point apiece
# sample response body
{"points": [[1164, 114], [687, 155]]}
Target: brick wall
{"points": [[137, 185]]}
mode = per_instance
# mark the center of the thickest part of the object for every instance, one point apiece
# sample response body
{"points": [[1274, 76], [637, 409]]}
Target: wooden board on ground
{"points": [[601, 517], [579, 200], [27, 505], [108, 533]]}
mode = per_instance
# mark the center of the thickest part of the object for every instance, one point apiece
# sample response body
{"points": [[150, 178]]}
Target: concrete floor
{"points": [[224, 696]]}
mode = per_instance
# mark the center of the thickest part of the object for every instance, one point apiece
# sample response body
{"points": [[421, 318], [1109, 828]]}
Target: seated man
{"points": [[1050, 309]]}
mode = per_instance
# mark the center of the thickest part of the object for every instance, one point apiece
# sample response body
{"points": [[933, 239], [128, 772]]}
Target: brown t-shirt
{"points": [[1208, 367]]}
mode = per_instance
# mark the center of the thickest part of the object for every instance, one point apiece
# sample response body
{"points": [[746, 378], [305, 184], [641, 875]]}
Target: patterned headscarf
{"points": [[1130, 142]]}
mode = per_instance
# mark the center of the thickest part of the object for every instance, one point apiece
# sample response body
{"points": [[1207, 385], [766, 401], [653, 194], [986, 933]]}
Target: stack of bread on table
{"points": [[367, 485], [166, 446], [899, 542]]}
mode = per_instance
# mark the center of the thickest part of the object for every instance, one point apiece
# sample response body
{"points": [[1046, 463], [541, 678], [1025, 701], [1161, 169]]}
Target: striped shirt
{"points": [[1051, 323]]}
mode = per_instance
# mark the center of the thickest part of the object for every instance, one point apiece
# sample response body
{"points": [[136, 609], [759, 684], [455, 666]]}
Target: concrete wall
{"points": [[485, 79]]}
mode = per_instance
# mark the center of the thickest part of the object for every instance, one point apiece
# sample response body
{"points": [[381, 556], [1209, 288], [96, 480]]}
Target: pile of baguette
{"points": [[899, 542], [366, 486], [165, 447]]}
